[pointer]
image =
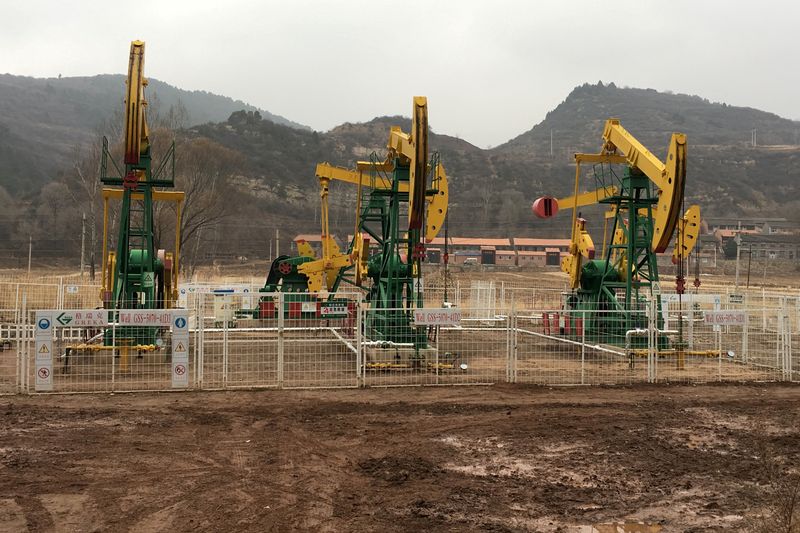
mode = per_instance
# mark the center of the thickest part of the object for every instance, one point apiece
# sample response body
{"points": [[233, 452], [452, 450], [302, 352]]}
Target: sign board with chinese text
{"points": [[437, 317]]}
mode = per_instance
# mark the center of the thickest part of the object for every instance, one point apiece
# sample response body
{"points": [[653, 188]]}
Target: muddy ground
{"points": [[501, 458]]}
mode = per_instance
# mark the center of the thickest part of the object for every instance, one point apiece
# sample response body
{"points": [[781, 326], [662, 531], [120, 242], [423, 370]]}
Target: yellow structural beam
{"points": [[587, 198], [688, 231], [581, 247], [158, 196], [669, 177], [136, 132], [361, 176]]}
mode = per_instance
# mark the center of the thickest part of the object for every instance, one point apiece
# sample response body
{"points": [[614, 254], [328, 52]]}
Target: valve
{"points": [[680, 284]]}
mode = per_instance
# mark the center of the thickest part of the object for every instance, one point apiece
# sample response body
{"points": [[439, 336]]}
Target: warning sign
{"points": [[333, 309], [180, 375], [44, 376], [44, 349], [148, 280], [180, 349]]}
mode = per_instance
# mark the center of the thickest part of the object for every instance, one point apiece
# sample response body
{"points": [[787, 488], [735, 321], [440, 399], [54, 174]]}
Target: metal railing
{"points": [[245, 339]]}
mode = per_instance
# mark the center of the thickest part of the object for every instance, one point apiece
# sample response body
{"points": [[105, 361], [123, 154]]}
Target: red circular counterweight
{"points": [[545, 207]]}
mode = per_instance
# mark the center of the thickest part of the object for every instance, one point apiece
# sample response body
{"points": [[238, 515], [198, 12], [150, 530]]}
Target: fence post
{"points": [[746, 336], [583, 349], [785, 341], [652, 340], [16, 306], [511, 343], [690, 323], [359, 345], [22, 341], [224, 340], [280, 339], [115, 318], [198, 341]]}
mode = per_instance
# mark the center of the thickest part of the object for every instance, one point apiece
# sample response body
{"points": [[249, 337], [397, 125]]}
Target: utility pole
{"points": [[738, 241], [30, 249], [277, 242], [749, 259], [551, 144], [83, 241]]}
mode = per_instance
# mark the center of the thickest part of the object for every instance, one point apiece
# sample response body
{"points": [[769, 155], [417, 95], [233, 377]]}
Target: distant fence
{"points": [[244, 339]]}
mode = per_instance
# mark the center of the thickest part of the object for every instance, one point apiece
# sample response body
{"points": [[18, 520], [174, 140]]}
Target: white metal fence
{"points": [[245, 339]]}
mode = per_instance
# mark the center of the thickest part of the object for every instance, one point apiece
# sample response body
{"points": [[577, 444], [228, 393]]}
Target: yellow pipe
{"points": [[699, 353], [102, 347]]}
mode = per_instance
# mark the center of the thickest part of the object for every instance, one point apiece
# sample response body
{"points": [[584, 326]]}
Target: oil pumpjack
{"points": [[406, 179], [645, 212], [136, 275]]}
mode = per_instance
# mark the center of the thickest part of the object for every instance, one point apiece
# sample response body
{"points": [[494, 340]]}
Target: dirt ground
{"points": [[501, 458]]}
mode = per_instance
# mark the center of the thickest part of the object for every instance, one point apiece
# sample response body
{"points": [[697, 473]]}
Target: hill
{"points": [[726, 174], [43, 120], [273, 186]]}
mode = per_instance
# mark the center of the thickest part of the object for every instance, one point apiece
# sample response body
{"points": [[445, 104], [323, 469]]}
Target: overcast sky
{"points": [[490, 69]]}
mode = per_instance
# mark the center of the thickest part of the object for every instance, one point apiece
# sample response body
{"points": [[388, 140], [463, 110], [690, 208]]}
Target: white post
{"points": [[22, 342], [224, 344], [719, 354], [583, 350], [115, 317], [359, 345], [652, 323], [280, 339], [16, 306], [690, 323], [745, 338], [200, 368]]}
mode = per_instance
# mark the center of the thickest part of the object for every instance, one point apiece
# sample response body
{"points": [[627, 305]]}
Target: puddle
{"points": [[619, 527]]}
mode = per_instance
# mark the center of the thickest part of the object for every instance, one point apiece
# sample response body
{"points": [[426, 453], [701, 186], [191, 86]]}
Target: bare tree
{"points": [[85, 190], [204, 172]]}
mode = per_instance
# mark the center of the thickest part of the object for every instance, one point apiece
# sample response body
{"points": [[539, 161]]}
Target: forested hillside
{"points": [[259, 174]]}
